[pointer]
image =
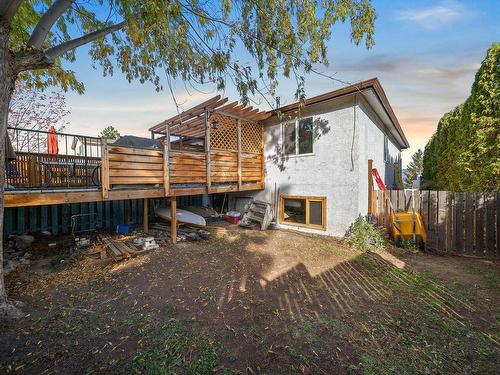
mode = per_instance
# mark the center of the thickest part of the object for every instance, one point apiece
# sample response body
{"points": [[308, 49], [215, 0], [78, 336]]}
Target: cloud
{"points": [[435, 16], [376, 63], [449, 73]]}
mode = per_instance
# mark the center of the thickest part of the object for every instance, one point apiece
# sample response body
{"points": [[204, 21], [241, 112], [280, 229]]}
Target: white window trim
{"points": [[296, 154]]}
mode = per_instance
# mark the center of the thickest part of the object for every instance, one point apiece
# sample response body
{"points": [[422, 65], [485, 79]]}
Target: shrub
{"points": [[364, 236]]}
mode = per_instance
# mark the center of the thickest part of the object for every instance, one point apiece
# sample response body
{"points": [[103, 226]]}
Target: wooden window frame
{"points": [[307, 199]]}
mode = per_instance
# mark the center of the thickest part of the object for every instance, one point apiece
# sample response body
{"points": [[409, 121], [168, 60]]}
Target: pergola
{"points": [[192, 122]]}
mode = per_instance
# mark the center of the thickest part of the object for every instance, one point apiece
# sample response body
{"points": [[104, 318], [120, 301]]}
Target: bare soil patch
{"points": [[246, 301]]}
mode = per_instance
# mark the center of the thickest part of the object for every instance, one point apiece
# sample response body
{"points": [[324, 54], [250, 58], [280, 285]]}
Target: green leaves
{"points": [[199, 41], [463, 155]]}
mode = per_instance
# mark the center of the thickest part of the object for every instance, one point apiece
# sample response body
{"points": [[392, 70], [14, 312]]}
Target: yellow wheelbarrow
{"points": [[406, 224]]}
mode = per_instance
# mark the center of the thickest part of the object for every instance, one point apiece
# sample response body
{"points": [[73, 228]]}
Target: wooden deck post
{"points": [[166, 162], [173, 218], [207, 152], [105, 169], [370, 186], [146, 215], [239, 152]]}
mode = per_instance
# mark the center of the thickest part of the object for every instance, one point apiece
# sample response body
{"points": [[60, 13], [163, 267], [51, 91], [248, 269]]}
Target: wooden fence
{"points": [[458, 223]]}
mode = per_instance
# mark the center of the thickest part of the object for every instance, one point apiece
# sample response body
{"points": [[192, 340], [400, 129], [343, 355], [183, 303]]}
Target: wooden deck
{"points": [[232, 161]]}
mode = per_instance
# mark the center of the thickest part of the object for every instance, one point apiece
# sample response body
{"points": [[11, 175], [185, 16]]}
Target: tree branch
{"points": [[8, 9], [54, 52], [50, 17]]}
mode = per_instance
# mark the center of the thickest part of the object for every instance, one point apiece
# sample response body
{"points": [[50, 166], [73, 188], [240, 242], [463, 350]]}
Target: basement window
{"points": [[298, 137], [303, 211]]}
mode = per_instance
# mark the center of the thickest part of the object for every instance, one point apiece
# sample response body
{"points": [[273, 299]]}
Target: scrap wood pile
{"points": [[122, 248], [184, 233]]}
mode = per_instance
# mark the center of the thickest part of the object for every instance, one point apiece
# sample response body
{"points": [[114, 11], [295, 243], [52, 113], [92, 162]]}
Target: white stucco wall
{"points": [[338, 167], [372, 142]]}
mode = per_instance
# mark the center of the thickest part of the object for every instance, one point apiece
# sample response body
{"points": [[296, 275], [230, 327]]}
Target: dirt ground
{"points": [[250, 302]]}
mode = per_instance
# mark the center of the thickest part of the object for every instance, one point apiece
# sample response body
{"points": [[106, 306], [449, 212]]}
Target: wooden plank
{"points": [[479, 225], [187, 155], [135, 166], [433, 231], [134, 151], [490, 228], [424, 208], [380, 208], [441, 220], [185, 163], [469, 223], [173, 219], [238, 128], [458, 222], [208, 153], [135, 158], [188, 180], [181, 167], [166, 163], [105, 169], [49, 198], [401, 200], [135, 180], [134, 173], [188, 173]]}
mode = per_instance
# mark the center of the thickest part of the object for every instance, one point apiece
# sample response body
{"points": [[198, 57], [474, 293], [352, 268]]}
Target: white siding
{"points": [[338, 167]]}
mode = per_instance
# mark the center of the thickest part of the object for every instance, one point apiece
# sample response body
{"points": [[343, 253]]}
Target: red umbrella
{"points": [[52, 144]]}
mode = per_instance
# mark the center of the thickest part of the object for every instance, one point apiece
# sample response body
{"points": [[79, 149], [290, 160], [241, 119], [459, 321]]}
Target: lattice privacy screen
{"points": [[224, 134], [251, 137]]}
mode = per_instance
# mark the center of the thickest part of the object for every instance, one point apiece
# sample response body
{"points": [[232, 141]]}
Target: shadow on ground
{"points": [[252, 302]]}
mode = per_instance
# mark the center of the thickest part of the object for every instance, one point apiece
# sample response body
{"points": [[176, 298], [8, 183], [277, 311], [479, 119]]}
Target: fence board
{"points": [[401, 200], [433, 230], [469, 223], [424, 208], [479, 224], [449, 221], [441, 225], [490, 227], [459, 223]]}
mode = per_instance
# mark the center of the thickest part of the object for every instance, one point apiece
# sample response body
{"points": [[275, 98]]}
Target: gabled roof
{"points": [[373, 85]]}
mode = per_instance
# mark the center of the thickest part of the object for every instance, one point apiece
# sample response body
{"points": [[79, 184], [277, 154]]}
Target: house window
{"points": [[303, 211], [298, 137]]}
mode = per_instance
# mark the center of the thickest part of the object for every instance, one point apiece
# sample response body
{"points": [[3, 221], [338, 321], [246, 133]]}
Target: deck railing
{"points": [[74, 163], [228, 158]]}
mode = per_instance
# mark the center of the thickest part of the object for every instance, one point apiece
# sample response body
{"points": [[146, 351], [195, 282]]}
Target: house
{"points": [[317, 157], [311, 162]]}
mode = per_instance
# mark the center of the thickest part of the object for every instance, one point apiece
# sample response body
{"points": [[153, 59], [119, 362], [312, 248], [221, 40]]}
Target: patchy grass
{"points": [[258, 302]]}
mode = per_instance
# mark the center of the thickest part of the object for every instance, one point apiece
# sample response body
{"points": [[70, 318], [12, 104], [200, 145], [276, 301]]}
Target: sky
{"points": [[426, 55]]}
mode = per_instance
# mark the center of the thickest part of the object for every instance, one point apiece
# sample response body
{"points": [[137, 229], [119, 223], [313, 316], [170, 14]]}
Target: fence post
{"points": [[105, 168], [238, 122], [166, 161], [207, 152]]}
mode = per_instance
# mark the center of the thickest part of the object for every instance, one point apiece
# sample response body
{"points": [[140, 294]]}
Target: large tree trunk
{"points": [[7, 80]]}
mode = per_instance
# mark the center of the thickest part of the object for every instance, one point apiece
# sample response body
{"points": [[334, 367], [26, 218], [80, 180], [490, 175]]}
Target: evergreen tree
{"points": [[464, 153], [414, 168], [110, 132]]}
